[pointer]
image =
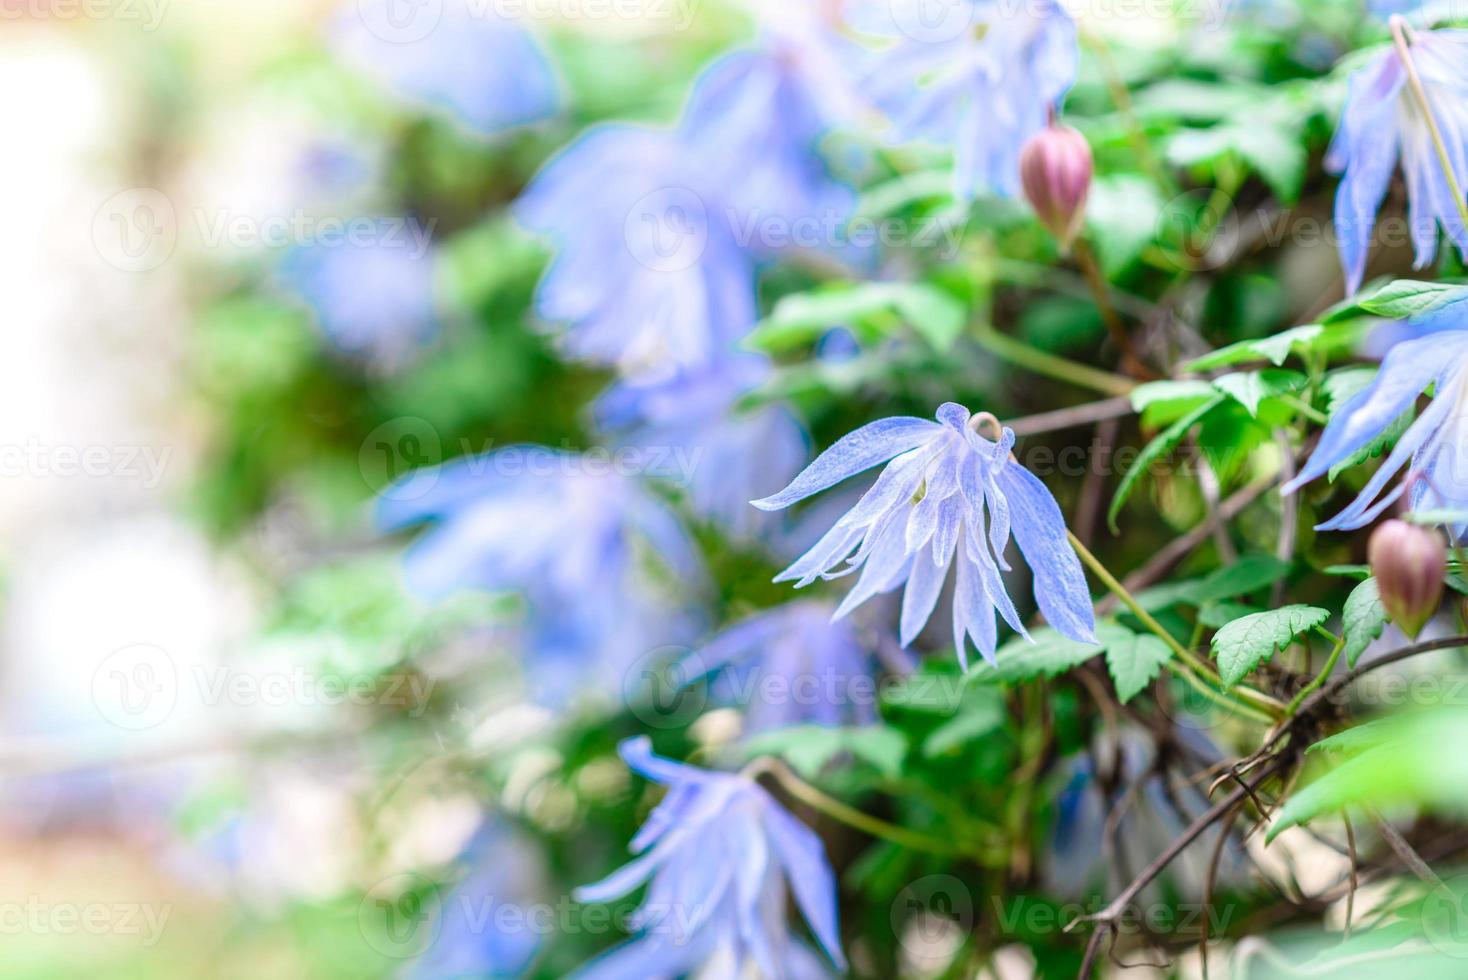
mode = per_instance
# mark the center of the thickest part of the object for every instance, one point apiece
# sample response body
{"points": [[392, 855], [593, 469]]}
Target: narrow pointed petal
{"points": [[852, 454], [1039, 528]]}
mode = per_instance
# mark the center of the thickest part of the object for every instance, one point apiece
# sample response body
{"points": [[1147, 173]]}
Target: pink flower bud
{"points": [[1055, 168], [1410, 565]]}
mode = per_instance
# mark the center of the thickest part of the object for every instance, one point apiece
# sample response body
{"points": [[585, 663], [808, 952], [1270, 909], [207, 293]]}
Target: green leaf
{"points": [[1249, 574], [1156, 449], [801, 318], [1272, 349], [1364, 617], [810, 748], [981, 712], [1217, 615], [1249, 388], [1277, 154], [1246, 643], [1407, 298], [1050, 655], [1134, 662], [1122, 213], [1166, 392]]}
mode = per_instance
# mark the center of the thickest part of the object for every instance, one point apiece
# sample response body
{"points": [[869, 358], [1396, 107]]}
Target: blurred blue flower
{"points": [[486, 71], [717, 854], [372, 296], [1381, 123], [647, 276], [947, 492], [1435, 443], [717, 452], [527, 518], [474, 940], [982, 77], [824, 670]]}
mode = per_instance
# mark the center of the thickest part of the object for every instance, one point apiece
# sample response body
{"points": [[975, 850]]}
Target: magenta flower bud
{"points": [[1055, 168], [1410, 565]]}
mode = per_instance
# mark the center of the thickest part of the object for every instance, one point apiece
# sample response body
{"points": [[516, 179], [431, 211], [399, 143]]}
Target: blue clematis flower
{"points": [[472, 939], [950, 497], [718, 855], [982, 77], [1382, 123], [482, 69], [373, 300], [825, 669], [717, 452], [648, 277], [1435, 443]]}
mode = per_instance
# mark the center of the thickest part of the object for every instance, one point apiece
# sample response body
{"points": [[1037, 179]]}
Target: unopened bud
{"points": [[1410, 565], [1055, 168]]}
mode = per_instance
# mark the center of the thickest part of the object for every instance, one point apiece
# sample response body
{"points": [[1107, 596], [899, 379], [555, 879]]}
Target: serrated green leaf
{"points": [[1160, 392], [1407, 298], [1249, 388], [1165, 443], [1245, 643], [1134, 663], [1273, 349], [1050, 655], [1249, 573], [810, 748], [1363, 619]]}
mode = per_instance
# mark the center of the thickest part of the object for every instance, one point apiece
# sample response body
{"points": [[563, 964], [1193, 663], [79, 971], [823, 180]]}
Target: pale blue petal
{"points": [[855, 452], [1039, 528]]}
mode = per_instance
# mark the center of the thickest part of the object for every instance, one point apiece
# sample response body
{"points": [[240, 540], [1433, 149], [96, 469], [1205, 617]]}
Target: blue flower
{"points": [[527, 518], [983, 77], [1435, 443], [374, 299], [473, 940], [718, 855], [949, 498], [824, 671], [648, 277], [1382, 123], [717, 452], [485, 71]]}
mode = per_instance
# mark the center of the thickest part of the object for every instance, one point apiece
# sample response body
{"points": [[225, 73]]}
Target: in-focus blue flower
{"points": [[374, 298], [1382, 123], [718, 855], [1436, 443], [486, 71], [982, 77], [647, 277], [691, 429], [950, 497], [791, 665], [474, 939]]}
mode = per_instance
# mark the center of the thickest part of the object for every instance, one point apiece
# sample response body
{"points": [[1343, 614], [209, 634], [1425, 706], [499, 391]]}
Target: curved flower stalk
{"points": [[1383, 122], [647, 277], [825, 669], [1436, 444], [949, 497], [718, 855], [485, 71], [983, 80], [718, 453], [372, 301]]}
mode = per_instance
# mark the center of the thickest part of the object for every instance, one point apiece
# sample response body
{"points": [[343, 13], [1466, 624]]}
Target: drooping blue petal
{"points": [[804, 858], [1365, 152], [1039, 528], [854, 453], [1407, 371]]}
